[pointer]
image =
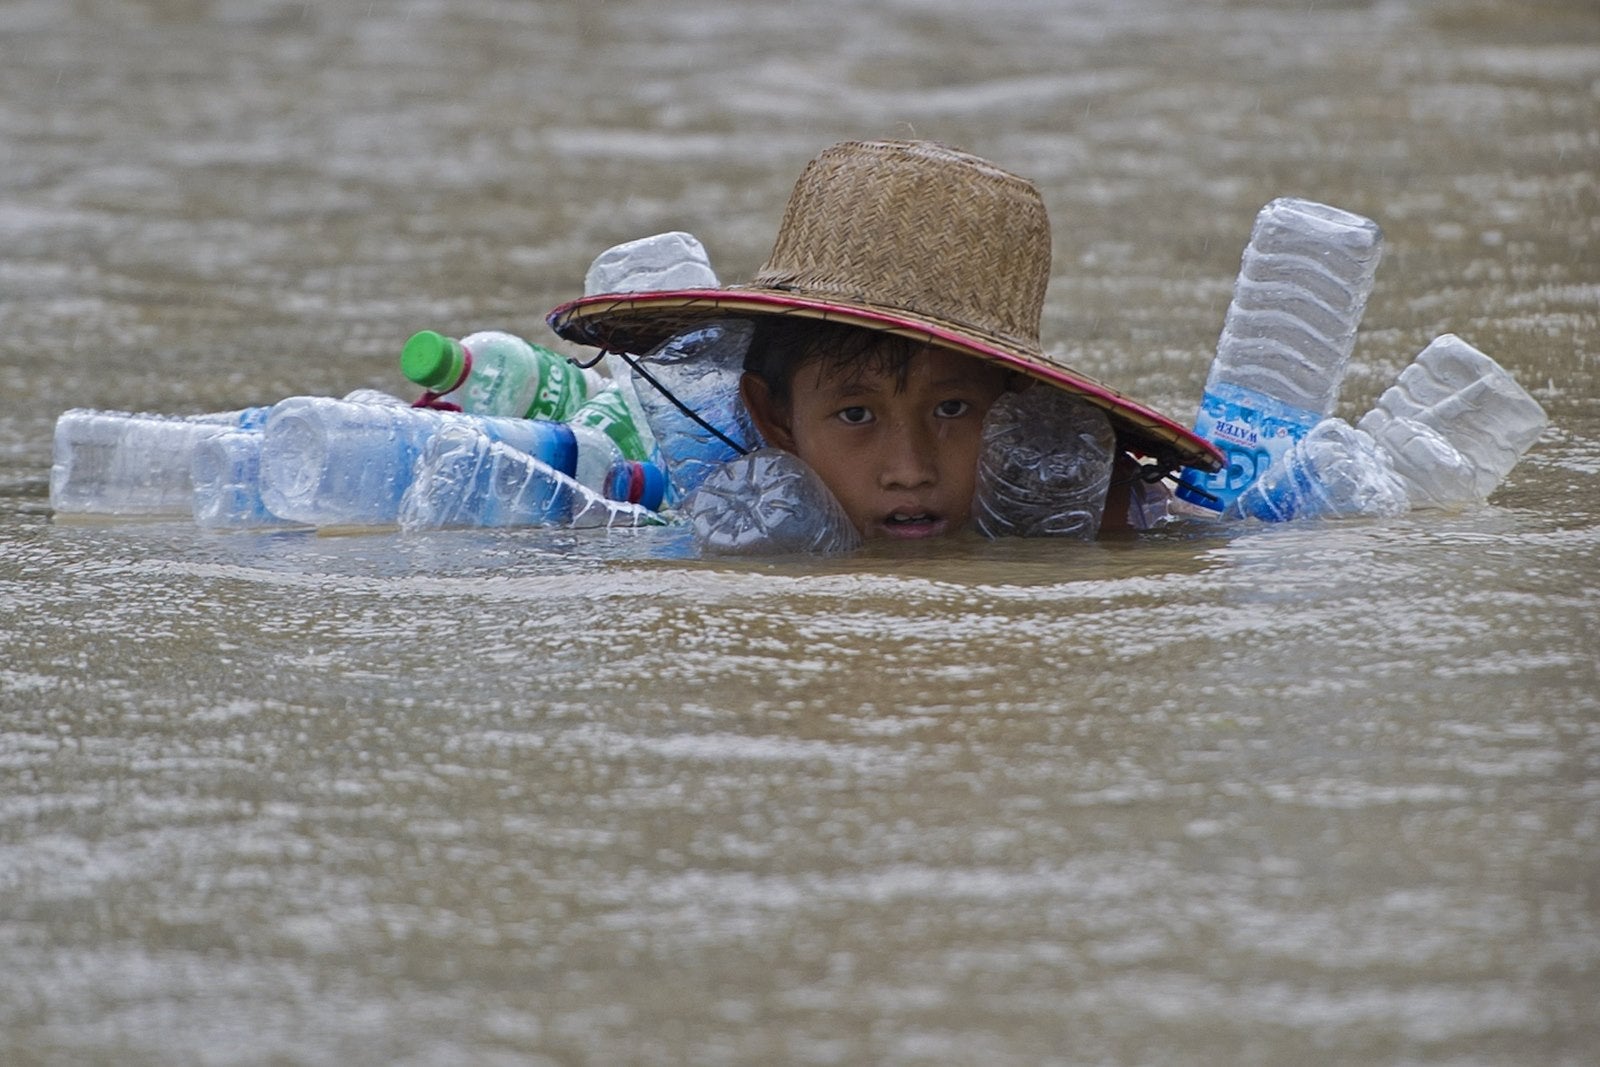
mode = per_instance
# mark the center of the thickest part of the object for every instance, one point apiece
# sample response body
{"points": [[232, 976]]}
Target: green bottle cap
{"points": [[433, 360]]}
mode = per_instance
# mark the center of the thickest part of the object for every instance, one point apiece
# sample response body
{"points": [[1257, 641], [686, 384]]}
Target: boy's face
{"points": [[899, 453]]}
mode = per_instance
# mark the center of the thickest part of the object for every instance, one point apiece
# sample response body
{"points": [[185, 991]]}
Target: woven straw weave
{"points": [[922, 228]]}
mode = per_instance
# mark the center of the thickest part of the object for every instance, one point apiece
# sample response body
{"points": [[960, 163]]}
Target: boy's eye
{"points": [[857, 416], [952, 409]]}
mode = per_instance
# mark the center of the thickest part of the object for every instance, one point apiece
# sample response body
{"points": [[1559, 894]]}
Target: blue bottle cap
{"points": [[653, 487], [635, 482]]}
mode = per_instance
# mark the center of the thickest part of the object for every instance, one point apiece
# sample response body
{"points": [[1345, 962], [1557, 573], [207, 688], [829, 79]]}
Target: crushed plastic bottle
{"points": [[701, 368], [494, 373], [1045, 466], [768, 502], [673, 260], [1454, 423], [1334, 472], [466, 478], [1286, 341], [327, 462], [1443, 436], [132, 463]]}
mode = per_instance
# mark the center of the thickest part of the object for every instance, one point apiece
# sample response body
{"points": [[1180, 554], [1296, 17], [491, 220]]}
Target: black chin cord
{"points": [[681, 406]]}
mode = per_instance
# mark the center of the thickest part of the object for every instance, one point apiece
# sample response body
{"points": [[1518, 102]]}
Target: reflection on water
{"points": [[1309, 794]]}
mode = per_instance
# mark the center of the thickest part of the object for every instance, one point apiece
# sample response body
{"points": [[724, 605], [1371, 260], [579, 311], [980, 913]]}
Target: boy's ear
{"points": [[770, 417]]}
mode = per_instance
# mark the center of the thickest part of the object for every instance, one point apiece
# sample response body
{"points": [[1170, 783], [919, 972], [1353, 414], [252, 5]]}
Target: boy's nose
{"points": [[907, 459]]}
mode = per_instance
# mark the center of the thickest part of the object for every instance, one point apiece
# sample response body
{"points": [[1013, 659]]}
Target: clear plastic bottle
{"points": [[768, 502], [701, 368], [1045, 466], [375, 396], [227, 482], [495, 373], [1454, 423], [1286, 341], [673, 260], [132, 463], [227, 472], [327, 462], [466, 478], [1335, 471]]}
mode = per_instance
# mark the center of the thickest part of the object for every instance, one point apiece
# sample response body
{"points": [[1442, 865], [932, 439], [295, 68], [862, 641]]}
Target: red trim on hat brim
{"points": [[582, 320]]}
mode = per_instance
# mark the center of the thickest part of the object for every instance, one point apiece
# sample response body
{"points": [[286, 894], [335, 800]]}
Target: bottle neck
{"points": [[432, 397]]}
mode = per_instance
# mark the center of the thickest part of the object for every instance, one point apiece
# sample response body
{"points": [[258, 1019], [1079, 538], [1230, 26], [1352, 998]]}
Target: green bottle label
{"points": [[607, 411], [562, 388]]}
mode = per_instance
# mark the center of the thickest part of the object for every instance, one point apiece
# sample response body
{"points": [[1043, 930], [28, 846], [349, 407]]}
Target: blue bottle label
{"points": [[1252, 429]]}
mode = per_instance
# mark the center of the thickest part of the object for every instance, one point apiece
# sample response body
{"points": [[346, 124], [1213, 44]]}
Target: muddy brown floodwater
{"points": [[1321, 793]]}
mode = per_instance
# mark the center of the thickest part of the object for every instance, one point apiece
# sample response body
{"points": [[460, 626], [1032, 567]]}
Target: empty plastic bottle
{"points": [[465, 478], [227, 472], [1286, 341], [607, 429], [327, 462], [1045, 466], [227, 482], [1454, 423], [375, 396], [132, 463], [1336, 471], [701, 368], [674, 260], [768, 502], [494, 373], [620, 374]]}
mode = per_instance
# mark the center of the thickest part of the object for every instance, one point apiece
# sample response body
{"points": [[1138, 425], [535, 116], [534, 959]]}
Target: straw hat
{"points": [[910, 238]]}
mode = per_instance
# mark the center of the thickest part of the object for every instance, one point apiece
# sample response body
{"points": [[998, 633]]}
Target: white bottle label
{"points": [[1252, 429]]}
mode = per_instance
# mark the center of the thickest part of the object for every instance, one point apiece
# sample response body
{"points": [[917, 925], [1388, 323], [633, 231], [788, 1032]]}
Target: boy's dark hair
{"points": [[781, 346]]}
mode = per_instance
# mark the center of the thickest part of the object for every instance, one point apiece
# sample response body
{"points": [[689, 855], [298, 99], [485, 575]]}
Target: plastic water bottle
{"points": [[1286, 341], [466, 478], [327, 462], [1045, 466], [701, 368], [1454, 424], [227, 482], [495, 373], [132, 463], [1336, 471], [767, 503], [227, 472], [375, 396], [674, 260]]}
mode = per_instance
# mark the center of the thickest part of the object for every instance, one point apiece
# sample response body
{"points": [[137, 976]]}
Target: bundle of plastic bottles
{"points": [[507, 433], [504, 433], [1444, 435], [368, 458]]}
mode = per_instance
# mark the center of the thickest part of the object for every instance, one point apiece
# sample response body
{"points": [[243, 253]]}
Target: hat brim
{"points": [[637, 322]]}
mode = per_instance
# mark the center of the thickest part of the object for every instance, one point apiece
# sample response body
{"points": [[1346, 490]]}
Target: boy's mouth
{"points": [[911, 524]]}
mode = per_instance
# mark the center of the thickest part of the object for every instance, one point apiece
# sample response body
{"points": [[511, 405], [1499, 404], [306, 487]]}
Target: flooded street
{"points": [[1315, 793]]}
